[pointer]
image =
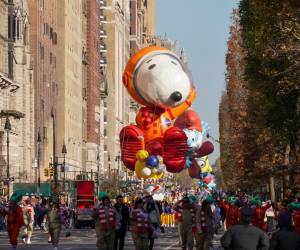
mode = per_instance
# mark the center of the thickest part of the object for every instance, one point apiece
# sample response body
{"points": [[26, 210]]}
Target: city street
{"points": [[86, 239]]}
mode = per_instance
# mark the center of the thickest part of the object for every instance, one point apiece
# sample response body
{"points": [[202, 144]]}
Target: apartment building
{"points": [[16, 93]]}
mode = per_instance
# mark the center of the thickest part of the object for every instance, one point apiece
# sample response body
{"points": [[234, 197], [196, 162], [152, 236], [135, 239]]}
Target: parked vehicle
{"points": [[85, 203]]}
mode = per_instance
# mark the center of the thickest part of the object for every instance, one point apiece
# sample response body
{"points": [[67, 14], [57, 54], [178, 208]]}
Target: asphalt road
{"points": [[86, 239]]}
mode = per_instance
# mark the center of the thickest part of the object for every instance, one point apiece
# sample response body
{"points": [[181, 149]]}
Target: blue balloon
{"points": [[152, 161], [203, 175]]}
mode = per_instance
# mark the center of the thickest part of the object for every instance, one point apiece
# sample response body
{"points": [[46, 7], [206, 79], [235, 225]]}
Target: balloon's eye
{"points": [[202, 163], [151, 66]]}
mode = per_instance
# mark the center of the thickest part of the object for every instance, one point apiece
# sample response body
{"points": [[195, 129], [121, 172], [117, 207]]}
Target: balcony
{"points": [[103, 34], [103, 4], [102, 18], [103, 48], [103, 61], [104, 89]]}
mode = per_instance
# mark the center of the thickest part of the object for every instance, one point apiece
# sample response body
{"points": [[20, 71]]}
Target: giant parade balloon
{"points": [[155, 78]]}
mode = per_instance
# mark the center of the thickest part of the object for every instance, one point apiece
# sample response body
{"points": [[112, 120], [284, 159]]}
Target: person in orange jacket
{"points": [[296, 216], [14, 219]]}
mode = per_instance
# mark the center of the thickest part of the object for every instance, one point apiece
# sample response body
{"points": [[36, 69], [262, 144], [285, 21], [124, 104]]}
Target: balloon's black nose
{"points": [[176, 96]]}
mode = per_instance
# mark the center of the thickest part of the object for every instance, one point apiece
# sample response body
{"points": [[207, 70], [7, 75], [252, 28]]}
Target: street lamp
{"points": [[39, 141], [54, 163], [98, 171], [64, 152], [117, 159], [109, 163], [7, 128]]}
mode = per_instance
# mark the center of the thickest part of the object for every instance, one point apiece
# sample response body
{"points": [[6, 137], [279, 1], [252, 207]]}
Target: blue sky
{"points": [[202, 28]]}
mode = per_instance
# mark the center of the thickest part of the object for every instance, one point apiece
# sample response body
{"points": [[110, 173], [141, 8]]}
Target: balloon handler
{"points": [[186, 219], [107, 222], [15, 219], [295, 206]]}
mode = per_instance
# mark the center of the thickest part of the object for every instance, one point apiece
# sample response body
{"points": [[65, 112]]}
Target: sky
{"points": [[201, 27]]}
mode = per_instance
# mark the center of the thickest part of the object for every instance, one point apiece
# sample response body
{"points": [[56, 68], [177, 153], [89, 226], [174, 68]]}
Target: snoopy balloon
{"points": [[156, 79]]}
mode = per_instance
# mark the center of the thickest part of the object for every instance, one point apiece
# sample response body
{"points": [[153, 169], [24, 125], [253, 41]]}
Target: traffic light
{"points": [[51, 170], [46, 172]]}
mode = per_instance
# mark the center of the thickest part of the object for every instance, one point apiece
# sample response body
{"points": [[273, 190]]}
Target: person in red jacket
{"points": [[232, 212], [14, 219], [296, 216], [259, 215]]}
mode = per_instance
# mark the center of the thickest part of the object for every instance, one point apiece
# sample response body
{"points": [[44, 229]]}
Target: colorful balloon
{"points": [[171, 94], [152, 161], [143, 171]]}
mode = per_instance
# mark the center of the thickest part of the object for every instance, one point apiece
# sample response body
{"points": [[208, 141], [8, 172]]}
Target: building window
{"points": [[11, 28], [18, 29], [50, 58], [51, 32], [25, 35], [10, 64], [54, 38], [105, 148], [42, 105], [42, 51], [105, 132], [54, 61], [105, 118], [46, 29], [45, 133]]}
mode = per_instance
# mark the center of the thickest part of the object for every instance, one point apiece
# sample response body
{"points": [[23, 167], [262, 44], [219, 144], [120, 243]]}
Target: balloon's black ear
{"points": [[206, 149]]}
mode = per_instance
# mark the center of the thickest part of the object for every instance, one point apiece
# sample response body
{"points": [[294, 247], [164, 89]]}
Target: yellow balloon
{"points": [[139, 170], [142, 155], [157, 175], [207, 167]]}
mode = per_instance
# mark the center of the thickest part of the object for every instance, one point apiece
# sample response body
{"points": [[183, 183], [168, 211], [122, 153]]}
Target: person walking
{"points": [[295, 206], [205, 226], [259, 214], [123, 212], [28, 215], [151, 207], [245, 236], [15, 219], [285, 238], [232, 212], [107, 221], [54, 223], [185, 216], [140, 225], [270, 218]]}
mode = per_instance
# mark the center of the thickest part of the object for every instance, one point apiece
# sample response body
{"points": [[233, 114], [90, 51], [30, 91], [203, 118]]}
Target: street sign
{"points": [[34, 163]]}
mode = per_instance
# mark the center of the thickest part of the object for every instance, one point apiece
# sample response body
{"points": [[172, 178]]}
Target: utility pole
{"points": [[117, 159], [7, 128], [98, 172], [38, 162], [64, 152], [55, 177]]}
